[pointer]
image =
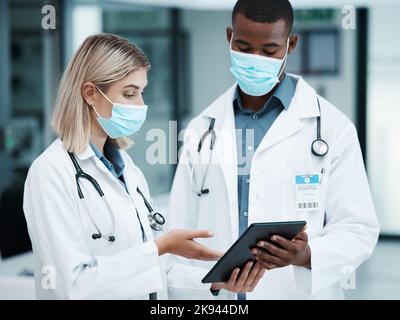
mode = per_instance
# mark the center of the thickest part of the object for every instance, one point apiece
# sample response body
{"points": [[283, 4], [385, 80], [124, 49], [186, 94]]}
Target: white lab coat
{"points": [[60, 231], [342, 234]]}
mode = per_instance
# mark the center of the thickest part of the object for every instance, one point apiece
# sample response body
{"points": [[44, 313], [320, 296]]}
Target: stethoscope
{"points": [[210, 132], [319, 147], [156, 220]]}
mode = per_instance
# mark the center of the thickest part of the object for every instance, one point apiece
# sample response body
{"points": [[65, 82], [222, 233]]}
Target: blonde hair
{"points": [[101, 59]]}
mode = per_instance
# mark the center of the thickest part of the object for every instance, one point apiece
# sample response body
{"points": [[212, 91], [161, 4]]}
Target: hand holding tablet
{"points": [[240, 252]]}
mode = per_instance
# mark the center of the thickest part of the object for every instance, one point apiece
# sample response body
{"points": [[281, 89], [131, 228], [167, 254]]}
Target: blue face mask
{"points": [[256, 75], [126, 119]]}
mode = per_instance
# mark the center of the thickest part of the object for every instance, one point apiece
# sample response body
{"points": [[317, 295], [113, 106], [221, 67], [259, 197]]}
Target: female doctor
{"points": [[86, 204]]}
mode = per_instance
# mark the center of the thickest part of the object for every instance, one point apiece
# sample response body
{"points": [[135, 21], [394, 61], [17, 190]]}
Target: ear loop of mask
{"points": [[284, 63], [104, 97], [95, 111]]}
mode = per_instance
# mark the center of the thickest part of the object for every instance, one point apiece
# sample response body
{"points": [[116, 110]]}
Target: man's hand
{"points": [[291, 252]]}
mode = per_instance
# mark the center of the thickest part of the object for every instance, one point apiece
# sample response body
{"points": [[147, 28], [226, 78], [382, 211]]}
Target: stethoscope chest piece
{"points": [[319, 147], [156, 221]]}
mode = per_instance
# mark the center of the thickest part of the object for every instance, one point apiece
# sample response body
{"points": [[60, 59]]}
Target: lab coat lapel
{"points": [[284, 126], [225, 151], [89, 155], [303, 105]]}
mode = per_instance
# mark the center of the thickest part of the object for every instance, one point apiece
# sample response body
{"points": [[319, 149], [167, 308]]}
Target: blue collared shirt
{"points": [[112, 159], [251, 128]]}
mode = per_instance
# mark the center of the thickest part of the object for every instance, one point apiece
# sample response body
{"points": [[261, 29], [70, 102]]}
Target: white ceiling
{"points": [[228, 4]]}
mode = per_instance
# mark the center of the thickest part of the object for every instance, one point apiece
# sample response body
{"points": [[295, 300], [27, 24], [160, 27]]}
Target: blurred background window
{"points": [[383, 115]]}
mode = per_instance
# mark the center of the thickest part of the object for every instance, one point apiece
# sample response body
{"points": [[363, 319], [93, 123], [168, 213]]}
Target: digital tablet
{"points": [[240, 252]]}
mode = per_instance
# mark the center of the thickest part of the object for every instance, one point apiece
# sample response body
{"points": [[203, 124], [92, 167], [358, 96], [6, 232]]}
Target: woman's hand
{"points": [[246, 282], [181, 243]]}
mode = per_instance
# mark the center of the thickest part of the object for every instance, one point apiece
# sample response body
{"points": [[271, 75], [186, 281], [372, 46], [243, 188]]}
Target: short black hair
{"points": [[265, 11]]}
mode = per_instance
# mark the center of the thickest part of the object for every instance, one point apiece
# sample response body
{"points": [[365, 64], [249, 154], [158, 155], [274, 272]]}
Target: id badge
{"points": [[307, 192]]}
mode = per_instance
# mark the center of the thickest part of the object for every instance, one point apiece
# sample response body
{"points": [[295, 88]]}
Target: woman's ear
{"points": [[89, 92]]}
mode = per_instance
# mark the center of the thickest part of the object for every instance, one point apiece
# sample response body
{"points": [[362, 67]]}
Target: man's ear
{"points": [[292, 42], [229, 33], [89, 92]]}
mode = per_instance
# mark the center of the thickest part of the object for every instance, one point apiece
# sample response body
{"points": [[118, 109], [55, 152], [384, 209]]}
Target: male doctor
{"points": [[280, 153]]}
